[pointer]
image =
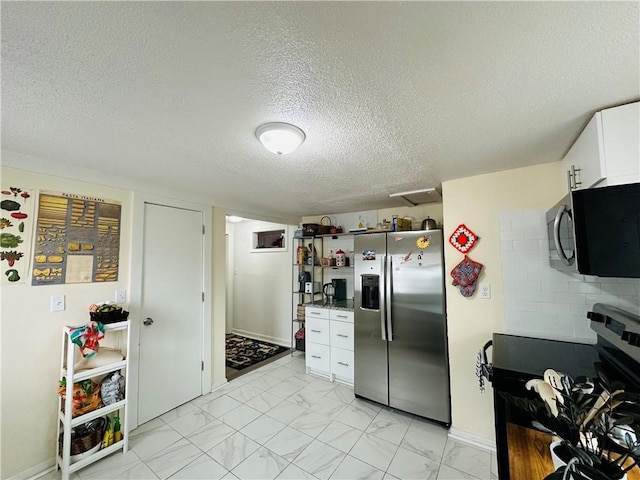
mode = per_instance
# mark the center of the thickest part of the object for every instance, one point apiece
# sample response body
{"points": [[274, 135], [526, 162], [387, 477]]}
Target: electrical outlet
{"points": [[57, 303], [121, 296], [485, 291]]}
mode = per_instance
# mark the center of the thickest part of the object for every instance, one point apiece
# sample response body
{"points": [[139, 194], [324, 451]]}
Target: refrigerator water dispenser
{"points": [[370, 292]]}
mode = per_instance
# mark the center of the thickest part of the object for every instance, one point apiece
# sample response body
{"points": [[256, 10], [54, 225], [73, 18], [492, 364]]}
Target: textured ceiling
{"points": [[393, 96]]}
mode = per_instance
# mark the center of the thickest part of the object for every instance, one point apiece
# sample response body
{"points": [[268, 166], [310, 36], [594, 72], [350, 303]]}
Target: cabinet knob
{"points": [[148, 321]]}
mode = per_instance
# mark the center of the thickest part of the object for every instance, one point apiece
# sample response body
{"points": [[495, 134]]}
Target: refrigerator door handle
{"points": [[383, 308], [388, 284]]}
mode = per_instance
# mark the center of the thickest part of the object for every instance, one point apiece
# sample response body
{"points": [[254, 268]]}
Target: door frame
{"points": [[135, 293]]}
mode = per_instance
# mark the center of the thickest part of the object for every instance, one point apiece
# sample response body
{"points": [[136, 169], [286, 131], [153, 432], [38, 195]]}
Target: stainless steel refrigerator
{"points": [[400, 327]]}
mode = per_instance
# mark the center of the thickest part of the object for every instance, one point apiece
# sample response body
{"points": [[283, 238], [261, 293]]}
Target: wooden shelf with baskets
{"points": [[70, 418]]}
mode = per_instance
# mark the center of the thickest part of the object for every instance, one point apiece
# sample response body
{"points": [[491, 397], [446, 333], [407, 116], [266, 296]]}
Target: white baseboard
{"points": [[218, 385], [474, 440], [36, 471], [265, 338]]}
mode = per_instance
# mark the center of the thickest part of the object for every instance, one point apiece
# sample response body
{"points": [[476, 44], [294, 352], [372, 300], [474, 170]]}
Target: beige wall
{"points": [[477, 202], [31, 336], [30, 367]]}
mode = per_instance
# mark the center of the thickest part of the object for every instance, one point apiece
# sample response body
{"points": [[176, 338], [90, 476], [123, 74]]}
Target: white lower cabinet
{"points": [[341, 335], [317, 358], [317, 331], [342, 364], [329, 343]]}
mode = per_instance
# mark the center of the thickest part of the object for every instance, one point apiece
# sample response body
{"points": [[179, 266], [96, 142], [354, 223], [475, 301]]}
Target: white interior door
{"points": [[172, 310]]}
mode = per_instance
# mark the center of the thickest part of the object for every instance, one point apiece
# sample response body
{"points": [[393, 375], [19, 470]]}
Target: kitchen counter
{"points": [[344, 305]]}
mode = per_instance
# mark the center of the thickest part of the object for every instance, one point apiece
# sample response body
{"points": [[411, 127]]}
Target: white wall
{"points": [[262, 285], [543, 302], [478, 203], [31, 337]]}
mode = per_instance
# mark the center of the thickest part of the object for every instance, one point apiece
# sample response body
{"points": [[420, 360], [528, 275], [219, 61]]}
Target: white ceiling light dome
{"points": [[279, 137]]}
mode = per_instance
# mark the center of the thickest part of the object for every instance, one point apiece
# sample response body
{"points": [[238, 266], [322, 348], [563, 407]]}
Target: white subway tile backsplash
{"points": [[532, 296], [580, 310], [544, 302], [619, 288], [632, 281], [557, 307], [505, 225], [530, 307], [508, 216], [534, 234], [575, 298], [602, 298], [630, 304], [592, 279], [520, 285], [553, 286], [526, 245], [512, 236], [584, 287], [561, 328]]}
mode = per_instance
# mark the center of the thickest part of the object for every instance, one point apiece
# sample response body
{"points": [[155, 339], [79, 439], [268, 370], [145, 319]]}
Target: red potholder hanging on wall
{"points": [[463, 239]]}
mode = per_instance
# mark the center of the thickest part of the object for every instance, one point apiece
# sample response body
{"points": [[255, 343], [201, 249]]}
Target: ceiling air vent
{"points": [[418, 197]]}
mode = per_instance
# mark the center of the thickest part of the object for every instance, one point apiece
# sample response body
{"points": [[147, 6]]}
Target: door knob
{"points": [[148, 321]]}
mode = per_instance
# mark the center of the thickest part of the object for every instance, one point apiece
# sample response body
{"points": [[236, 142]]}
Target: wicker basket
{"points": [[86, 436], [82, 403], [113, 316]]}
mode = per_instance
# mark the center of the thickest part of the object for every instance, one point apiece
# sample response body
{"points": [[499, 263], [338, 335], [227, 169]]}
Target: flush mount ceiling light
{"points": [[234, 219], [280, 138]]}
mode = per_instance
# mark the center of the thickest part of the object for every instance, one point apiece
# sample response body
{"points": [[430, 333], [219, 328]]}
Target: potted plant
{"points": [[598, 425]]}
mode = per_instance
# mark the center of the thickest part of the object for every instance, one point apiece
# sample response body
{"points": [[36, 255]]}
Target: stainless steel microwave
{"points": [[596, 231]]}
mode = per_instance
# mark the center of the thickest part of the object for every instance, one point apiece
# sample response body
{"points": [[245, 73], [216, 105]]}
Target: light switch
{"points": [[57, 303], [121, 296]]}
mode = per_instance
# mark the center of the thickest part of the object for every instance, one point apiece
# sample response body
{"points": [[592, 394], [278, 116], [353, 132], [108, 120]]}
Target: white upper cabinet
{"points": [[621, 139], [606, 152]]}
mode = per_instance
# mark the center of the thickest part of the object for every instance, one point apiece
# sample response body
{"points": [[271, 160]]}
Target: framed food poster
{"points": [[16, 227], [77, 239]]}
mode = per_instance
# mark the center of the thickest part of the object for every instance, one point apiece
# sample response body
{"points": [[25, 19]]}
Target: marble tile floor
{"points": [[279, 423]]}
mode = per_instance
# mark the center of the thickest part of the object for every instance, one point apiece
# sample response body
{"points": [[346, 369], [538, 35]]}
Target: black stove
{"points": [[516, 359]]}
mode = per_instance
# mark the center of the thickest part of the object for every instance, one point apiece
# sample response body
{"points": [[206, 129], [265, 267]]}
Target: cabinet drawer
{"points": [[341, 315], [317, 357], [317, 331], [341, 335], [342, 364], [312, 312]]}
